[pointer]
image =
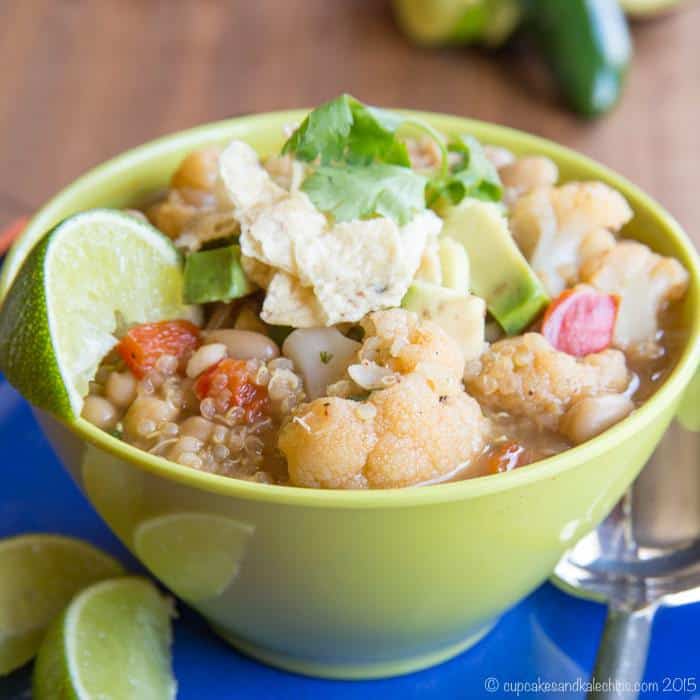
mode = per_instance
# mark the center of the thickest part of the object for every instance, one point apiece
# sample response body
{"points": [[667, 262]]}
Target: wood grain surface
{"points": [[82, 80]]}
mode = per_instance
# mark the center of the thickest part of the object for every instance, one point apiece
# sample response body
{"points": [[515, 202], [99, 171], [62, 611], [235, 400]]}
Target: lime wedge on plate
{"points": [[113, 641], [197, 555], [58, 318], [39, 574]]}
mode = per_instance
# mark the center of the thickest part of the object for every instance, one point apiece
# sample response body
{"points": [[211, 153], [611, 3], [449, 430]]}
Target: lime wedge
{"points": [[195, 554], [58, 318], [113, 641], [39, 574]]}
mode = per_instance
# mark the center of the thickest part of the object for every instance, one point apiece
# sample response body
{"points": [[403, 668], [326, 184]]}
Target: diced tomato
{"points": [[143, 345], [581, 321], [10, 232], [230, 383], [510, 455]]}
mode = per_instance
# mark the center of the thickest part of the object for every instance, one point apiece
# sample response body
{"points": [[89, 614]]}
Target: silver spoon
{"points": [[645, 554]]}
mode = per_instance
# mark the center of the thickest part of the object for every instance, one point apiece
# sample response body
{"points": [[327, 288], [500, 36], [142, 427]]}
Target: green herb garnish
{"points": [[472, 176], [356, 192], [346, 131], [360, 168], [325, 356], [364, 167]]}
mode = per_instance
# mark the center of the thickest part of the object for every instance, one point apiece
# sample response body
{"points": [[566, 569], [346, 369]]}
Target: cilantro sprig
{"points": [[346, 131], [359, 167], [472, 175]]}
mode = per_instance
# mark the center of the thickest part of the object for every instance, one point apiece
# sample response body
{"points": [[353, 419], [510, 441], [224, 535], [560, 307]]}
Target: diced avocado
{"points": [[499, 272], [215, 275], [460, 315], [455, 265]]}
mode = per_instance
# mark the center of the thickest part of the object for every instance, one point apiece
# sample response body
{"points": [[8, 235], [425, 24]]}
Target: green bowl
{"points": [[357, 584]]}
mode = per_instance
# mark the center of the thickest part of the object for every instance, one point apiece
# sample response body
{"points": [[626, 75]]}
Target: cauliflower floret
{"points": [[396, 341], [526, 376], [419, 426], [558, 228], [406, 434], [645, 282], [327, 444], [422, 436], [527, 174]]}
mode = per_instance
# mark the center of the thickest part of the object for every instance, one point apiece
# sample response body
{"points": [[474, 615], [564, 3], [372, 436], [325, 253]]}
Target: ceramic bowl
{"points": [[367, 583]]}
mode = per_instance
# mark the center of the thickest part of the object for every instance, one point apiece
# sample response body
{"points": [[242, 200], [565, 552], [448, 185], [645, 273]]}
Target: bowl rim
{"points": [[667, 395]]}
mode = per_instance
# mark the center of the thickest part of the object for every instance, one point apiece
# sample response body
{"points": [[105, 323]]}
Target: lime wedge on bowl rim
{"points": [[39, 574], [58, 319], [113, 641]]}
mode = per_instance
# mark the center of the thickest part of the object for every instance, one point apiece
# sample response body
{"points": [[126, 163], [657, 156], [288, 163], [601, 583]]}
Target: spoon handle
{"points": [[622, 654]]}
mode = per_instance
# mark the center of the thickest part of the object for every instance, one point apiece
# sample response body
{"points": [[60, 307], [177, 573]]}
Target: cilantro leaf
{"points": [[345, 130], [359, 191], [473, 176], [323, 133], [373, 137]]}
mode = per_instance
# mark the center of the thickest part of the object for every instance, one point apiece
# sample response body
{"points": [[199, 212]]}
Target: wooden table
{"points": [[82, 80]]}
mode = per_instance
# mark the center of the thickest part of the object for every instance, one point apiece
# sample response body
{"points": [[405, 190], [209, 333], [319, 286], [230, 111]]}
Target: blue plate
{"points": [[550, 638]]}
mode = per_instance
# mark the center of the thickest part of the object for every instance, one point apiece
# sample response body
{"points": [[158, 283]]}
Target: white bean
{"points": [[204, 358], [245, 345], [100, 412], [591, 416], [120, 388]]}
